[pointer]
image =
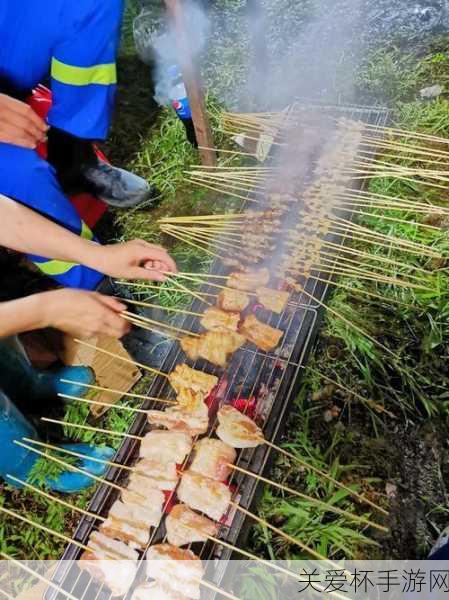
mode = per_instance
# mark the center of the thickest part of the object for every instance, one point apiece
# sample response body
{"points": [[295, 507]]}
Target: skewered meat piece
{"points": [[213, 346], [248, 281], [159, 475], [263, 336], [232, 262], [191, 346], [238, 430], [190, 400], [215, 319], [204, 494], [179, 571], [166, 446], [185, 377], [233, 300], [178, 419], [212, 458], [150, 503], [110, 562], [274, 300], [184, 526], [127, 523]]}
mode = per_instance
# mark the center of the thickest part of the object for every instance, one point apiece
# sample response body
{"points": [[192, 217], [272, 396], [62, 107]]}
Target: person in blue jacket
{"points": [[73, 45]]}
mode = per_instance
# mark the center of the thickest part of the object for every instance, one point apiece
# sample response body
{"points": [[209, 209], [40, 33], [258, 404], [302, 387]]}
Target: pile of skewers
{"points": [[183, 478]]}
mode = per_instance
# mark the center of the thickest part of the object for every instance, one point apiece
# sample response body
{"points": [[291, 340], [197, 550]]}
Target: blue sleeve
{"points": [[83, 70]]}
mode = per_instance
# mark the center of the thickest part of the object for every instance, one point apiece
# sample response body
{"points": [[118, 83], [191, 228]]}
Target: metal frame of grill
{"points": [[251, 373]]}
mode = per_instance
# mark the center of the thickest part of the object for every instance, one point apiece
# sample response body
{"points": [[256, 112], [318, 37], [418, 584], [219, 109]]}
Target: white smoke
{"points": [[158, 43]]}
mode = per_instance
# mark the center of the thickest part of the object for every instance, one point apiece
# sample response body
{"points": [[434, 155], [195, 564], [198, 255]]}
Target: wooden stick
{"points": [[221, 150], [158, 306], [142, 325], [117, 406], [164, 289], [214, 588], [210, 239], [326, 476], [53, 498], [374, 405], [281, 533], [191, 292], [325, 505], [191, 243], [61, 536], [67, 465], [90, 428], [100, 461], [122, 358], [105, 389], [24, 567], [221, 191], [152, 321]]}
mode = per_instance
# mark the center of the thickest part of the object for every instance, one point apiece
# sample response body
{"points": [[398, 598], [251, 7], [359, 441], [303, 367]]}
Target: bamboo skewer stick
{"points": [[191, 292], [226, 187], [407, 134], [214, 588], [281, 533], [37, 575], [191, 243], [221, 191], [100, 461], [210, 239], [158, 306], [122, 358], [349, 323], [144, 286], [61, 536], [54, 498], [311, 499], [337, 483], [235, 152], [3, 593], [65, 464], [142, 325], [90, 428], [406, 148], [99, 388], [152, 321], [116, 406], [371, 403]]}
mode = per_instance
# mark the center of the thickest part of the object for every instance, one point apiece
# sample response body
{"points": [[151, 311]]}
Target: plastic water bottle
{"points": [[180, 103]]}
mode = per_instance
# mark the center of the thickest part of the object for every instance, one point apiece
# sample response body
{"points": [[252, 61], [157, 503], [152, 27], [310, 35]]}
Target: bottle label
{"points": [[182, 108]]}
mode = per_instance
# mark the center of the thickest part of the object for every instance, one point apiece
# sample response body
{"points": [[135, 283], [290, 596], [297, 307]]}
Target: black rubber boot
{"points": [[79, 170], [148, 347], [120, 188]]}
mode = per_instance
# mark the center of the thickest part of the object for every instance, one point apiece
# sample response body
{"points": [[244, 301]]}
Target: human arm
{"points": [[19, 124], [78, 313], [25, 230]]}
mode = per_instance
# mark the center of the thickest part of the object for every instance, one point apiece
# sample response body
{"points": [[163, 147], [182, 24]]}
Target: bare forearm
{"points": [[25, 314], [25, 230]]}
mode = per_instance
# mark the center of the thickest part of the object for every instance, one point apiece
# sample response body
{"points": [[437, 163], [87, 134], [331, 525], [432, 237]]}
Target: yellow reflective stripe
{"points": [[101, 74], [59, 267], [55, 267], [86, 233]]}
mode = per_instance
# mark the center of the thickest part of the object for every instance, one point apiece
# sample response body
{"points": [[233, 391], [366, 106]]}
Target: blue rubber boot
{"points": [[18, 461], [20, 380]]}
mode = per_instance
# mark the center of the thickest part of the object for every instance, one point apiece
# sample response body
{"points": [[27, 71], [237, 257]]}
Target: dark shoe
{"points": [[118, 187], [148, 347]]}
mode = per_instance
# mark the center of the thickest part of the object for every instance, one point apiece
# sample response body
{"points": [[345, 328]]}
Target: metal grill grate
{"points": [[272, 378]]}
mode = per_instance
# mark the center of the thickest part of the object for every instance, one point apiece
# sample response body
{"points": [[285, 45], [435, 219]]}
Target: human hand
{"points": [[83, 314], [134, 260], [19, 124]]}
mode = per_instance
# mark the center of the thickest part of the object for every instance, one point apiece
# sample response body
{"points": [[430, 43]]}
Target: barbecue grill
{"points": [[264, 384]]}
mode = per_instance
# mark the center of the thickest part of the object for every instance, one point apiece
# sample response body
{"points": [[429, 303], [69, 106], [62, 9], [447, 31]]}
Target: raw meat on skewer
{"points": [[184, 526], [238, 430], [204, 494], [212, 459]]}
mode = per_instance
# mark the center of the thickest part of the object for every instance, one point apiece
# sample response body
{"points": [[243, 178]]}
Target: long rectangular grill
{"points": [[273, 379]]}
